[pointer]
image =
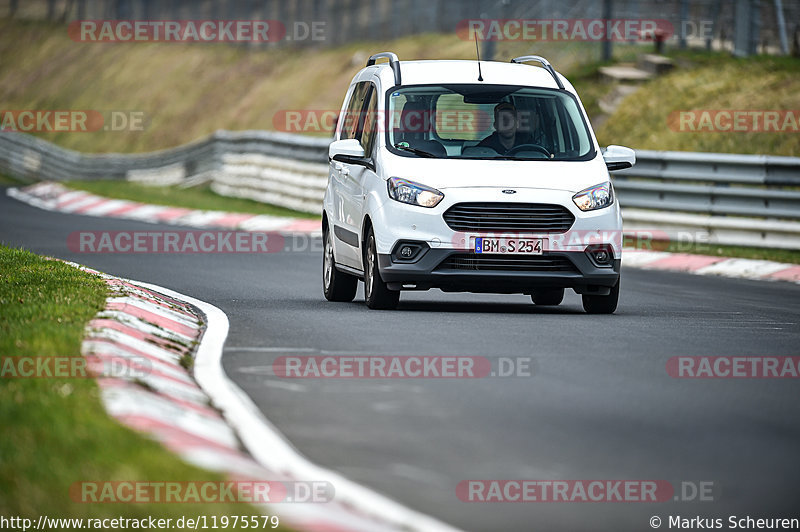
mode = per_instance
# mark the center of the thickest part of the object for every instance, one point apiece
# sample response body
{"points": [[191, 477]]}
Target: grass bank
{"points": [[55, 430], [709, 82], [186, 91]]}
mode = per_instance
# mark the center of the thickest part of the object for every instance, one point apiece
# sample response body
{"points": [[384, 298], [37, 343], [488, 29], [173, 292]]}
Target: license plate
{"points": [[502, 246]]}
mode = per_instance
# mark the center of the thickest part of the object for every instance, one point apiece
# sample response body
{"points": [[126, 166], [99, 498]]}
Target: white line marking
{"points": [[289, 386], [269, 447], [747, 268]]}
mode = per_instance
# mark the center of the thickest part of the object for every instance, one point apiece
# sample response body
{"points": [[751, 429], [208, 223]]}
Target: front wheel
{"points": [[337, 286], [602, 304], [376, 294]]}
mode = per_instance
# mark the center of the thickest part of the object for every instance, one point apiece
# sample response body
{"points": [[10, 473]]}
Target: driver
{"points": [[508, 134]]}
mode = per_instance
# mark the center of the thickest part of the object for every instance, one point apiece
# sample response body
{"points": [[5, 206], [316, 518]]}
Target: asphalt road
{"points": [[599, 403]]}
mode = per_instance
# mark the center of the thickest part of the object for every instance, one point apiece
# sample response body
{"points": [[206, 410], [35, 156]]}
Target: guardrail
{"points": [[749, 200], [27, 157], [297, 185], [745, 200]]}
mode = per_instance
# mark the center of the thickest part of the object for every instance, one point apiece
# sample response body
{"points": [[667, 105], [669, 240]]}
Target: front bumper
{"points": [[396, 223], [456, 270]]}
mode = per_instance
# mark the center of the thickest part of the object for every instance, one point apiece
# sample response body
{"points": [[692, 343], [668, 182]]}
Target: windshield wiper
{"points": [[416, 151], [517, 158]]}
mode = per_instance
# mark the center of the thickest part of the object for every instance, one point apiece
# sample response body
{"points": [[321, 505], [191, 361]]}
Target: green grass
{"points": [[55, 430], [187, 91], [8, 180], [709, 81], [199, 197], [716, 250], [587, 82]]}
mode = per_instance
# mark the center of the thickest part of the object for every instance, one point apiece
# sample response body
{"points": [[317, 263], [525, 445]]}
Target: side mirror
{"points": [[619, 157], [346, 150]]}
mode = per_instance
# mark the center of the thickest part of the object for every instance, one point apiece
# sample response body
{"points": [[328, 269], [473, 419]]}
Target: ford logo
{"points": [[509, 191]]}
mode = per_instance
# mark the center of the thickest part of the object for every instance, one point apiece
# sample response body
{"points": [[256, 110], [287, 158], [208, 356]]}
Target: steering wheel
{"points": [[528, 147]]}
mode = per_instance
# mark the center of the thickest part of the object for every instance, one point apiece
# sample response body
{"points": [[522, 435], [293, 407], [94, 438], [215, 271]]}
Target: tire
{"points": [[336, 285], [548, 298], [376, 294], [602, 304]]}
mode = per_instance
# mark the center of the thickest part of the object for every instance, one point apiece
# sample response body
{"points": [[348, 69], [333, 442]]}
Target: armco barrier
{"points": [[28, 157], [749, 200]]}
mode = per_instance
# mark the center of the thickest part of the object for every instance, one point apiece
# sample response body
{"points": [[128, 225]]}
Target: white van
{"points": [[473, 177]]}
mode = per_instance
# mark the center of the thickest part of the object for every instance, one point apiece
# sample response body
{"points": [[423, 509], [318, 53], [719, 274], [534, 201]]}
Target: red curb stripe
{"points": [[683, 262], [92, 205], [231, 220], [148, 370], [125, 209], [205, 411], [153, 293], [792, 273], [162, 213], [304, 226], [169, 435], [137, 353], [277, 476], [182, 306], [152, 317], [60, 203], [201, 409], [106, 323], [161, 304], [170, 214], [322, 526]]}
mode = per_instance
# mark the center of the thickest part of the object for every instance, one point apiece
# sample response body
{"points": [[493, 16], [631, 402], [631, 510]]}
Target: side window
{"points": [[370, 121], [349, 122]]}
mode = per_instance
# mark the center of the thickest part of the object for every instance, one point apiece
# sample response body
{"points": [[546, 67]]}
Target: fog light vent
{"points": [[408, 251], [601, 255]]}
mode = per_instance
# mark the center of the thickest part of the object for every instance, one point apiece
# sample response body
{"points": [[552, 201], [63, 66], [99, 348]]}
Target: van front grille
{"points": [[509, 217]]}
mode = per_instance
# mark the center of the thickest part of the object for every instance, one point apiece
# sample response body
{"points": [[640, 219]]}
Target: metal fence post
{"points": [[608, 13]]}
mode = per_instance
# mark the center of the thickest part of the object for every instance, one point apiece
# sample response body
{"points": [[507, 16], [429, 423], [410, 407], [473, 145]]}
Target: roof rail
{"points": [[545, 63], [394, 62]]}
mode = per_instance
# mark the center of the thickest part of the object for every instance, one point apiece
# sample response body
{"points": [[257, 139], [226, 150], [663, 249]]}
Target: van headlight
{"points": [[406, 191], [596, 197]]}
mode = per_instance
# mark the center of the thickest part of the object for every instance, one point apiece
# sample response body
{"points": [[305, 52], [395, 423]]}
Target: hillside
{"points": [[185, 91], [718, 85]]}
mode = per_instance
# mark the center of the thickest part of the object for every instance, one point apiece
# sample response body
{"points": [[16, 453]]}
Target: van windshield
{"points": [[471, 121]]}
